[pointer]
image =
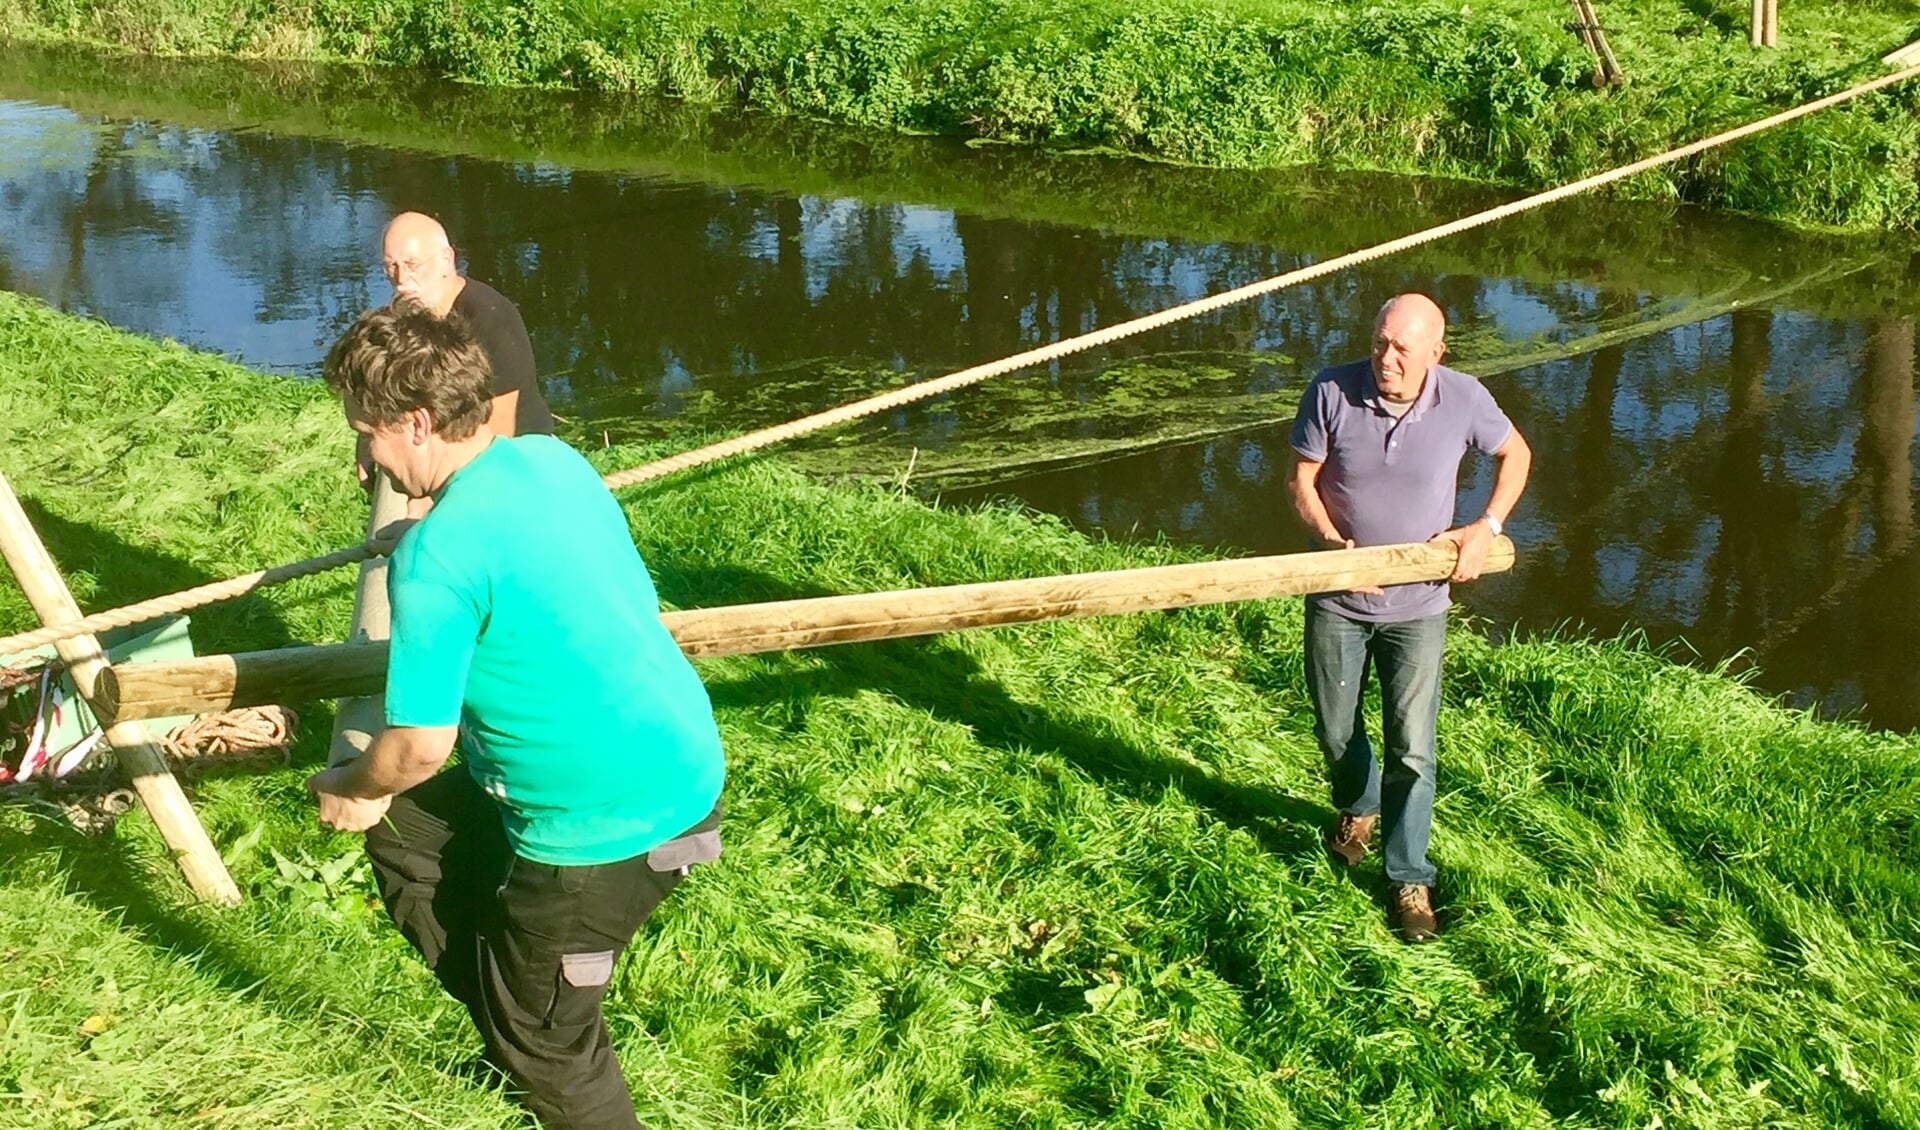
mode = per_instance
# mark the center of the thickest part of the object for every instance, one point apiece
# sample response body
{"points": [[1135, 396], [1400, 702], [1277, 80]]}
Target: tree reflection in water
{"points": [[1732, 465]]}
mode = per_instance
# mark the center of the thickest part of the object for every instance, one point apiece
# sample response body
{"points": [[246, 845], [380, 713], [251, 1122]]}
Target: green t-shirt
{"points": [[523, 614]]}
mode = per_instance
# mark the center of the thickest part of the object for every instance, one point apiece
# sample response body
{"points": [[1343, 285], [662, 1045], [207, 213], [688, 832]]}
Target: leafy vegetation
{"points": [[1055, 875], [1494, 92]]}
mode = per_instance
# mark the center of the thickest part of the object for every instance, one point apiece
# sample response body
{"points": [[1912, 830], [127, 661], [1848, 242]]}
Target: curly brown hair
{"points": [[398, 358]]}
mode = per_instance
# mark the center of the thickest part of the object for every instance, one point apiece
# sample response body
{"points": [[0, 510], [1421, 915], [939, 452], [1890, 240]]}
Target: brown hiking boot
{"points": [[1412, 913], [1348, 837]]}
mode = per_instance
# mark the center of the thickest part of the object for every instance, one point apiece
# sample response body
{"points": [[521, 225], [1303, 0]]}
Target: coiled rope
{"points": [[806, 425]]}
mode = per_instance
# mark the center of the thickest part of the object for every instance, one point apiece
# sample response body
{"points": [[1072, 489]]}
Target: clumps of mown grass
{"points": [[1493, 92], [1626, 939], [1054, 875], [108, 1026], [228, 470]]}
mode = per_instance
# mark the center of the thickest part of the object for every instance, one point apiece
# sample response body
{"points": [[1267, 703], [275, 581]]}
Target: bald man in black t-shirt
{"points": [[419, 262]]}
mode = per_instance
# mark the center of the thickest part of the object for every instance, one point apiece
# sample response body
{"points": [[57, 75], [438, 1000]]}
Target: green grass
{"points": [[1493, 91], [1061, 875]]}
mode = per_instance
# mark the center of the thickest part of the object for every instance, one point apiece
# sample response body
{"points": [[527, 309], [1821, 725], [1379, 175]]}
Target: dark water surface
{"points": [[1723, 414]]}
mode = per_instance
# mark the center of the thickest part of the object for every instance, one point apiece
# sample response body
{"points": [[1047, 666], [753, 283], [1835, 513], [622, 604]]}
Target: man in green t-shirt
{"points": [[526, 626]]}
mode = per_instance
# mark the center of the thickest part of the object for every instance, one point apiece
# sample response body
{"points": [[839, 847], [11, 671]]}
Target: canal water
{"points": [[1723, 413]]}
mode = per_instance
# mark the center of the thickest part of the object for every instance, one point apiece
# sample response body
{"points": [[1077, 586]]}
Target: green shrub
{"points": [[1496, 92]]}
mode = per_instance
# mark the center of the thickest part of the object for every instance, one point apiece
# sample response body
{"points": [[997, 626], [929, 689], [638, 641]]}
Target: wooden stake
{"points": [[1606, 71], [357, 721], [1614, 75], [1770, 34], [221, 682], [1584, 29], [1757, 23], [140, 759]]}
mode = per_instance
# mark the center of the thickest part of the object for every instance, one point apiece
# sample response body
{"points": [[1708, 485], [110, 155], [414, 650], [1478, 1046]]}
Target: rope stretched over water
{"points": [[753, 441], [806, 425]]}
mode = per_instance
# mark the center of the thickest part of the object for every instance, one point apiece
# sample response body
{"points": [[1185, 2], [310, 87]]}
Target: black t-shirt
{"points": [[503, 337]]}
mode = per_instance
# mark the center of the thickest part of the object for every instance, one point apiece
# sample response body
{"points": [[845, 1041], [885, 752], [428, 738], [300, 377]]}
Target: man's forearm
{"points": [[1511, 465], [400, 758], [1320, 523], [1304, 492]]}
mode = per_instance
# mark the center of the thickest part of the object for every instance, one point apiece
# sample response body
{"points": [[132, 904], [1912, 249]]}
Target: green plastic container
{"points": [[151, 642]]}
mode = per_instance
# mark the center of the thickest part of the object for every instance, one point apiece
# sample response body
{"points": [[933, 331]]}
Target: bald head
{"points": [[419, 261], [1409, 338]]}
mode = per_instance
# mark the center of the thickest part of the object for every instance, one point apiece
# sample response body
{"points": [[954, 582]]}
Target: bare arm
{"points": [[354, 796], [1512, 462], [1303, 488]]}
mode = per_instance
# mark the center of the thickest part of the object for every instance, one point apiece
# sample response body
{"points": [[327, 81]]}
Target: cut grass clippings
{"points": [[1058, 875]]}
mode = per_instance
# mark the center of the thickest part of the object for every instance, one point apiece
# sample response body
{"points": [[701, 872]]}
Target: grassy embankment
{"points": [[1057, 875], [1493, 92]]}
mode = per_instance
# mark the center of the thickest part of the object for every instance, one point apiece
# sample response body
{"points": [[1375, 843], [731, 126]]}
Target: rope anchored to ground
{"points": [[753, 441]]}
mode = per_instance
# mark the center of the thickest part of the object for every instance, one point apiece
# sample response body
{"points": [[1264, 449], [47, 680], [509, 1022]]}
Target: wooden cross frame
{"points": [[1606, 68], [142, 761]]}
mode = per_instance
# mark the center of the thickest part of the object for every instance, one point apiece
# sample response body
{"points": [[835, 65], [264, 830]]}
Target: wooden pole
{"points": [[1584, 29], [357, 721], [221, 682], [1757, 23], [1608, 63], [1771, 32], [1607, 70], [140, 759]]}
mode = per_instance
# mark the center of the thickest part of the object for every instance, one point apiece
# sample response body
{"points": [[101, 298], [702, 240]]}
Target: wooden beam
{"points": [[133, 691], [140, 758], [221, 682], [1608, 63], [1583, 28]]}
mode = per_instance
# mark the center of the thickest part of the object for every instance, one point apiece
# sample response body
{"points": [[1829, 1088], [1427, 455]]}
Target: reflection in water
{"points": [[1724, 441]]}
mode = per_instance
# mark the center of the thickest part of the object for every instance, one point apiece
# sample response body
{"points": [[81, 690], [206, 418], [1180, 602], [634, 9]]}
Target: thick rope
{"points": [[766, 437], [249, 739], [184, 601], [752, 441]]}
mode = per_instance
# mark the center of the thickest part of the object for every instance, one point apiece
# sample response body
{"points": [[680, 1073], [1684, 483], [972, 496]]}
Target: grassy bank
{"points": [[1063, 875], [1491, 92]]}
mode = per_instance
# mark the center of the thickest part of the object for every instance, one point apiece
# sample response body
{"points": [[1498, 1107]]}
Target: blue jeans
{"points": [[1399, 785]]}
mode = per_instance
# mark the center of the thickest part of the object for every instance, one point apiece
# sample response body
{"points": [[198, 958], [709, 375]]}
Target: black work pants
{"points": [[528, 948]]}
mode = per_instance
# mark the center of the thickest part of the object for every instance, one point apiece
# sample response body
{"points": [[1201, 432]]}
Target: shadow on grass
{"points": [[125, 573], [949, 684]]}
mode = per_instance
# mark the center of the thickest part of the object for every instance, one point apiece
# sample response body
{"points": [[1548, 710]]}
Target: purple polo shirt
{"points": [[1387, 481]]}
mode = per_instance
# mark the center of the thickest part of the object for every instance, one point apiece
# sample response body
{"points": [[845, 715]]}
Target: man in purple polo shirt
{"points": [[1377, 449]]}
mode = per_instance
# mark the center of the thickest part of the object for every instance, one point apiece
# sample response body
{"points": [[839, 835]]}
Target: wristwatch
{"points": [[1492, 523]]}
